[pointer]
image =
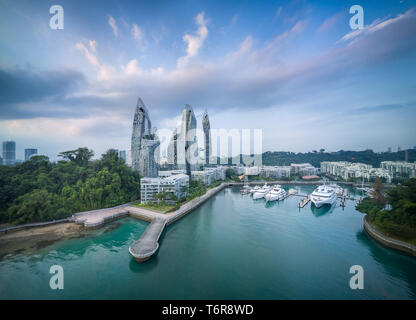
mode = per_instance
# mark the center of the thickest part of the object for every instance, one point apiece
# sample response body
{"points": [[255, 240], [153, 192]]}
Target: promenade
{"points": [[143, 248]]}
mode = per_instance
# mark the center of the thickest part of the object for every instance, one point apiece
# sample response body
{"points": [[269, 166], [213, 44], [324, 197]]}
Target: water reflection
{"points": [[319, 212], [397, 264]]}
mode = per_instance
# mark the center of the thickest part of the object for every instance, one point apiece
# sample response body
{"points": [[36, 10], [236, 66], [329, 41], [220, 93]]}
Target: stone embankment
{"points": [[387, 241]]}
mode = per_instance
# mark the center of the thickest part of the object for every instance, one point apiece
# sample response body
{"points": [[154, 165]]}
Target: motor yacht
{"points": [[261, 192], [276, 194], [323, 195]]}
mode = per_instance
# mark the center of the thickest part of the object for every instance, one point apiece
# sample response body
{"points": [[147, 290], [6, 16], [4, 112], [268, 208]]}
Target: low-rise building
{"points": [[400, 168], [209, 174], [303, 169], [347, 170], [275, 171], [176, 184], [251, 171]]}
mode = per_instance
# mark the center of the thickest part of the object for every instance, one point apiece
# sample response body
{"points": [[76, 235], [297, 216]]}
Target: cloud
{"points": [[19, 87], [105, 72], [330, 22], [113, 25], [194, 43], [379, 24], [278, 12], [138, 35]]}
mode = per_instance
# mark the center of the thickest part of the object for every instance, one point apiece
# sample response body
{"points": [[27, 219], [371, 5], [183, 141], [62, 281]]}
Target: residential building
{"points": [[399, 168], [9, 152], [275, 171], [176, 184], [347, 170], [144, 143], [30, 152], [122, 154]]}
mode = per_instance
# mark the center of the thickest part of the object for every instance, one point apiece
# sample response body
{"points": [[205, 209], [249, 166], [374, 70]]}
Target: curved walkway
{"points": [[147, 245], [389, 242]]}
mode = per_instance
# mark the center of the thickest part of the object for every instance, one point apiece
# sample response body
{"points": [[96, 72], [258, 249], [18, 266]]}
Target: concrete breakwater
{"points": [[387, 241], [143, 248]]}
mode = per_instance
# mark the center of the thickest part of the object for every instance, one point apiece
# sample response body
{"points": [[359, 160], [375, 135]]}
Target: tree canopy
{"points": [[38, 190]]}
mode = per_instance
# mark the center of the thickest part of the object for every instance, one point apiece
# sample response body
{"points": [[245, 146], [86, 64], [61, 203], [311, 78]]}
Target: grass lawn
{"points": [[156, 207]]}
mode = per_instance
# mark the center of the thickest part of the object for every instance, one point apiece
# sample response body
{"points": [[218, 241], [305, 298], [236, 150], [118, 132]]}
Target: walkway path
{"points": [[147, 245]]}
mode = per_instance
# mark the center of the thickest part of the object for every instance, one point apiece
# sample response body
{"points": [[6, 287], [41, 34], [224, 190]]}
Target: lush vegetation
{"points": [[38, 190], [167, 202], [316, 157], [398, 218]]}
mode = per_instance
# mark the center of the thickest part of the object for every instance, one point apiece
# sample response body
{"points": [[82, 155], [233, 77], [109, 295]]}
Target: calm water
{"points": [[232, 247]]}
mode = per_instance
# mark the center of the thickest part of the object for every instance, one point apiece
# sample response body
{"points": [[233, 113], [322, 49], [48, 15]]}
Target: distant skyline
{"points": [[293, 68]]}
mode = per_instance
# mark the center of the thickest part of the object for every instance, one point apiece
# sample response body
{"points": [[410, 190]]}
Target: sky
{"points": [[294, 69]]}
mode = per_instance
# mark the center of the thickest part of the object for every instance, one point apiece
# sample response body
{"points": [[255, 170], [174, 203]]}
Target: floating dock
{"points": [[304, 202]]}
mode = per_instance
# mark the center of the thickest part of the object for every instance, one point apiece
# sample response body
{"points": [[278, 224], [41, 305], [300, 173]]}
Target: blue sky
{"points": [[293, 68]]}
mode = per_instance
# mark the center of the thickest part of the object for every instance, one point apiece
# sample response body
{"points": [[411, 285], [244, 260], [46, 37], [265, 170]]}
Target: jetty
{"points": [[147, 245], [304, 202], [144, 248]]}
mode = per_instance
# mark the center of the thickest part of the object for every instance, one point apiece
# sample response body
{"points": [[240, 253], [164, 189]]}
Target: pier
{"points": [[144, 248], [147, 245], [304, 202]]}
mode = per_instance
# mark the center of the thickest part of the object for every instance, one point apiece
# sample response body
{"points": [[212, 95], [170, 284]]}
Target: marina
{"points": [[229, 247]]}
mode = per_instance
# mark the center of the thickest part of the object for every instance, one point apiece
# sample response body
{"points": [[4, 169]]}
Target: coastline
{"points": [[387, 241], [36, 237]]}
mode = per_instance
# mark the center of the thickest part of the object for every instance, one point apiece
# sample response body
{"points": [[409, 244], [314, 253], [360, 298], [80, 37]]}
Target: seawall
{"points": [[387, 241]]}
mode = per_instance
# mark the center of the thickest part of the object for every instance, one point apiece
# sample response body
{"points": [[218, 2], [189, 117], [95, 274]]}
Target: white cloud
{"points": [[104, 71], [194, 43], [138, 35], [113, 25], [378, 24]]}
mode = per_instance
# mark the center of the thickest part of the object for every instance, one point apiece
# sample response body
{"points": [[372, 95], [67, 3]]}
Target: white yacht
{"points": [[255, 189], [338, 190], [261, 192], [324, 195], [276, 194]]}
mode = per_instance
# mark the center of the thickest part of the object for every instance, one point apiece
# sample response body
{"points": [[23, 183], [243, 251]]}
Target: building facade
{"points": [[176, 184], [144, 143], [207, 137], [9, 152], [399, 168], [275, 171], [348, 170], [30, 152]]}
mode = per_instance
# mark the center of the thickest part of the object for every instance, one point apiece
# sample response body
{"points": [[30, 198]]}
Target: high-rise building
{"points": [[172, 151], [399, 149], [122, 155], [389, 149], [30, 152], [144, 143], [9, 152], [207, 137], [187, 144]]}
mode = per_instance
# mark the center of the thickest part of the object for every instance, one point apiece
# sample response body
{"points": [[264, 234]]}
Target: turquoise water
{"points": [[232, 247]]}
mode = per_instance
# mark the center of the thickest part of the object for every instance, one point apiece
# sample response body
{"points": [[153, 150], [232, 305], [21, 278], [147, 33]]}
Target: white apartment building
{"points": [[303, 169], [168, 173], [251, 171], [348, 170], [399, 168], [177, 184], [275, 171], [209, 175]]}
